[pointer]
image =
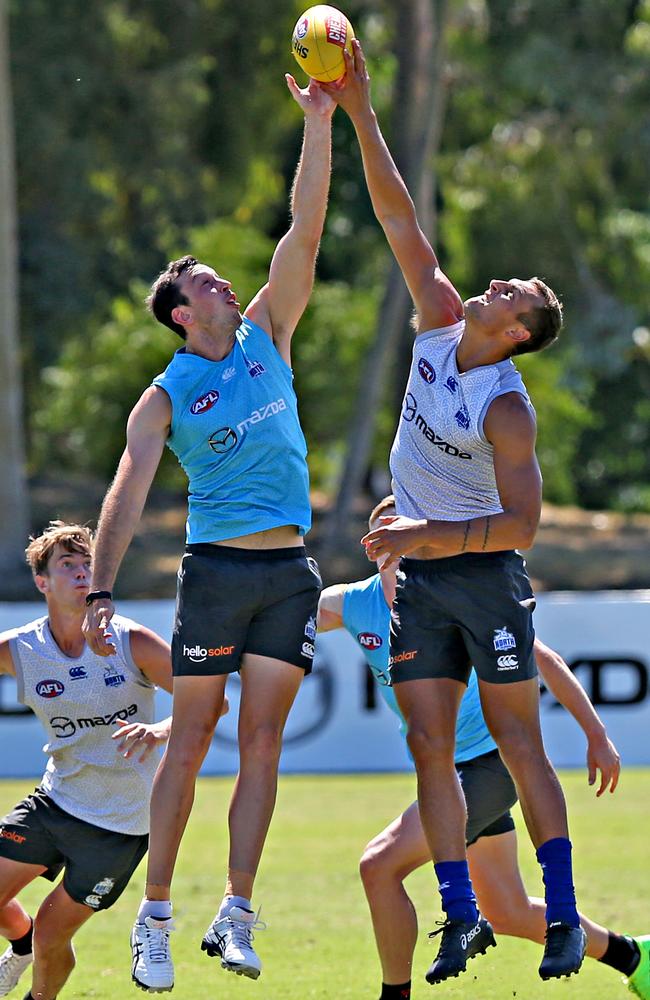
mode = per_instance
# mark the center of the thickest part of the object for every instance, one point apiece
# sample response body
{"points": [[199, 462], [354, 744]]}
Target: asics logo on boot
{"points": [[466, 938]]}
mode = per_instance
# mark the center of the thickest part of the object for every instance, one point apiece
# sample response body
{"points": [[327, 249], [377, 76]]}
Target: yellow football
{"points": [[319, 38]]}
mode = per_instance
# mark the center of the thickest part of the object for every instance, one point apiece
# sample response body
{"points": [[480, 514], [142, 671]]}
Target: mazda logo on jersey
{"points": [[223, 440], [50, 689], [369, 640], [205, 402], [63, 727]]}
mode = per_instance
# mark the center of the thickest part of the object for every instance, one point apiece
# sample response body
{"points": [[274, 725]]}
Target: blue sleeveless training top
{"points": [[235, 431], [366, 616]]}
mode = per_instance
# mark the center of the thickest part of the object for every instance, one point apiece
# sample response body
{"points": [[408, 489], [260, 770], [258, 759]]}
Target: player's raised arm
{"points": [[278, 307], [436, 300], [602, 755], [147, 431]]}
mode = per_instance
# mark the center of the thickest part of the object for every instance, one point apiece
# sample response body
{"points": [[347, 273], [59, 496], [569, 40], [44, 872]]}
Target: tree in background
{"points": [[13, 493], [142, 132]]}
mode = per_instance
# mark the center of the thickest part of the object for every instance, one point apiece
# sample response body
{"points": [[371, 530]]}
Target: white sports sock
{"points": [[228, 902], [160, 909]]}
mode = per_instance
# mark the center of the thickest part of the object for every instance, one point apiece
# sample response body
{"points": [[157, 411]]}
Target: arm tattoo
{"points": [[486, 534], [465, 536]]}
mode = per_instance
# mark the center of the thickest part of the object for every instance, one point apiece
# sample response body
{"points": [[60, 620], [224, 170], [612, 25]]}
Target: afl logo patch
{"points": [[427, 371], [302, 27], [369, 640], [50, 689], [205, 402]]}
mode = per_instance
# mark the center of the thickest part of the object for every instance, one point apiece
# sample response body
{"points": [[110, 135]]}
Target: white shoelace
{"points": [[157, 943], [242, 930]]}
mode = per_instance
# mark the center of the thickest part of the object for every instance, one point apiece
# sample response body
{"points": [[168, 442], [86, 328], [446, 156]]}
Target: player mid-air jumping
{"points": [[247, 592], [468, 494], [363, 609]]}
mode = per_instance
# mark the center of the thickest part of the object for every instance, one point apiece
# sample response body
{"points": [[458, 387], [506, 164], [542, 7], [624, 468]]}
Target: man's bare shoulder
{"points": [[152, 411], [510, 414], [6, 659]]}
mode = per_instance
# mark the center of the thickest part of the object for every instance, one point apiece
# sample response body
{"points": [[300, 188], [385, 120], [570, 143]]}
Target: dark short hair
{"points": [[383, 505], [165, 293], [543, 322]]}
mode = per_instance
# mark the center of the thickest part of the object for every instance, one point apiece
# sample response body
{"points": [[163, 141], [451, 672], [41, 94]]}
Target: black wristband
{"points": [[95, 595]]}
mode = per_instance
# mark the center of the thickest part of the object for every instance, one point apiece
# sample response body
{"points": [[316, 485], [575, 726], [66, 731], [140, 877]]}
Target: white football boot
{"points": [[11, 969], [230, 938], [152, 968]]}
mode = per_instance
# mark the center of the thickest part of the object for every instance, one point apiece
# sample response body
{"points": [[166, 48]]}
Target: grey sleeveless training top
{"points": [[441, 462], [77, 701]]}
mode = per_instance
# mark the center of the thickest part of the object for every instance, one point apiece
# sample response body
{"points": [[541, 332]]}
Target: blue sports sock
{"points": [[555, 858], [458, 899]]}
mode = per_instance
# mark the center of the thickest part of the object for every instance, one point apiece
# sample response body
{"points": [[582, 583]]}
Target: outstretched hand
{"points": [[313, 99], [352, 91]]}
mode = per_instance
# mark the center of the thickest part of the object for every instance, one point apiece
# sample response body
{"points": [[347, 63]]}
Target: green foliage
{"points": [[147, 129]]}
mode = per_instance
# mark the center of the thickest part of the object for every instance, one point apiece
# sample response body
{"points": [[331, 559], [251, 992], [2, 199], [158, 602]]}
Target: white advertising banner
{"points": [[340, 722]]}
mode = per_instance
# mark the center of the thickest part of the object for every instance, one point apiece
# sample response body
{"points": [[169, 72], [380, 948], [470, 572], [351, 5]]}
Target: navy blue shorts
{"points": [[97, 863], [233, 601], [468, 610]]}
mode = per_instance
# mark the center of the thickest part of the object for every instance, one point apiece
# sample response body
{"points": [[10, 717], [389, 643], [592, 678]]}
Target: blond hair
{"points": [[71, 538]]}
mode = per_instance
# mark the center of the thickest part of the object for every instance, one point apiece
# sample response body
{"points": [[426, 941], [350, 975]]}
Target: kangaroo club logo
{"points": [[503, 640]]}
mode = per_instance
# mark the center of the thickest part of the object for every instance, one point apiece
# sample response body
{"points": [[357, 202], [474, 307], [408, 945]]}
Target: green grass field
{"points": [[319, 942]]}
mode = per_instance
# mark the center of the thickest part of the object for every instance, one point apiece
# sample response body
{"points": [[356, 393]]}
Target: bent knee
{"points": [[506, 919], [48, 939], [376, 865]]}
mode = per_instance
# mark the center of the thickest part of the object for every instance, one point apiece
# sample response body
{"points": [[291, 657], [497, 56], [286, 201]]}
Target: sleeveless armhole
{"points": [[127, 654], [441, 331], [159, 385], [20, 680], [502, 389]]}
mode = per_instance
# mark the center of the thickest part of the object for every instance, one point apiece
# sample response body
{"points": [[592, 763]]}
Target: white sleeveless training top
{"points": [[441, 462], [78, 701]]}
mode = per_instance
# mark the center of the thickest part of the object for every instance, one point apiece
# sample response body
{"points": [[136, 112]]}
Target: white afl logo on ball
{"points": [[302, 27]]}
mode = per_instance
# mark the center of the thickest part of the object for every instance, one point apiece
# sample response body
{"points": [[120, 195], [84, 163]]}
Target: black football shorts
{"points": [[467, 610], [233, 601], [97, 863], [489, 794]]}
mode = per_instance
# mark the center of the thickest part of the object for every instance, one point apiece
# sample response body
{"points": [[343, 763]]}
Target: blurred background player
{"points": [[89, 816], [468, 491], [392, 855], [247, 593]]}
